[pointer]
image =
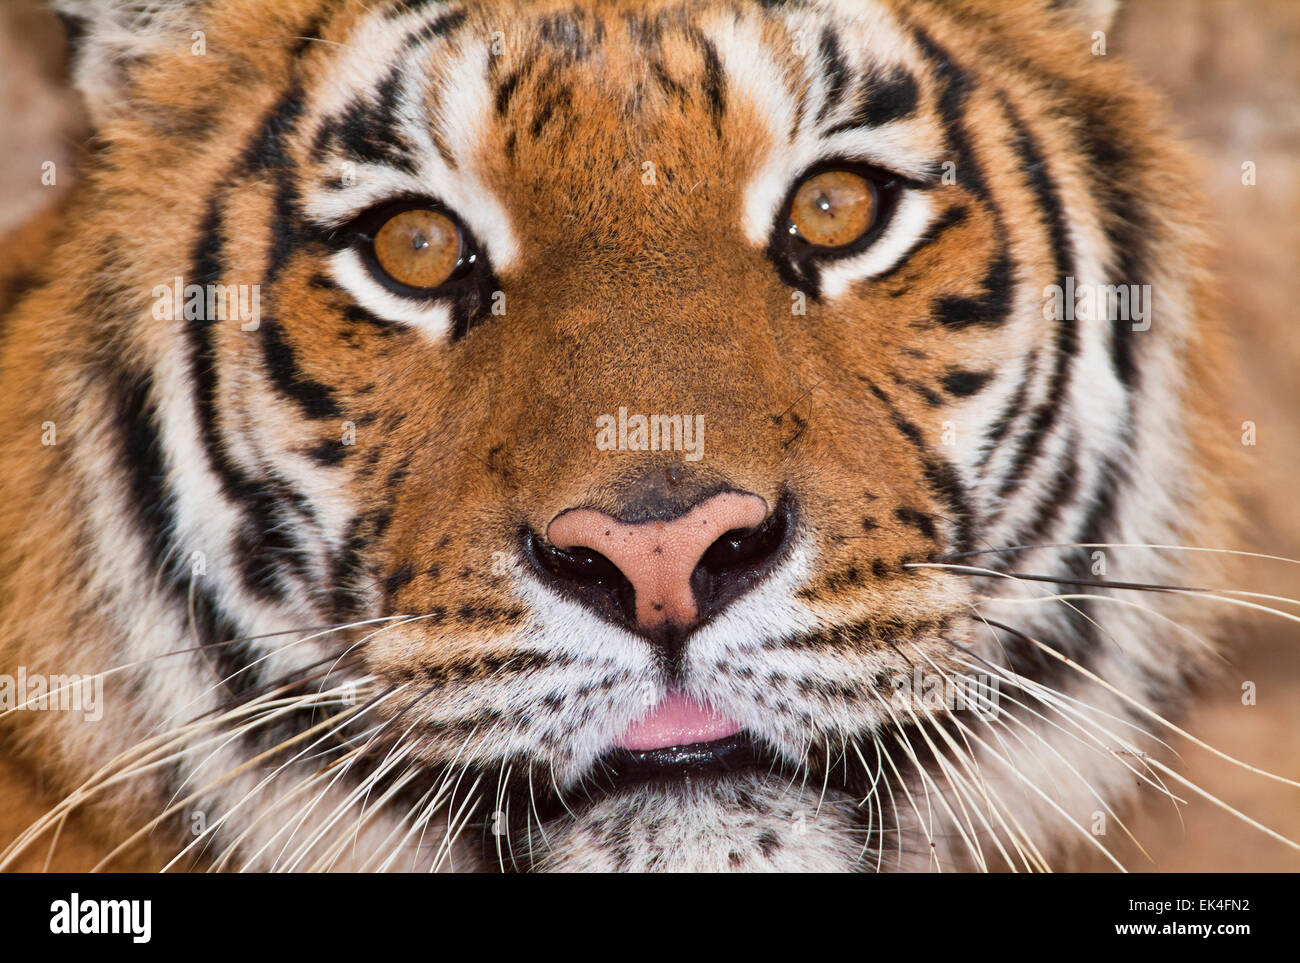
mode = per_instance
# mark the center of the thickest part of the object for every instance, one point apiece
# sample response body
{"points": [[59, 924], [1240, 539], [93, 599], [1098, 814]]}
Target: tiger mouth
{"points": [[739, 772], [695, 765], [621, 771], [623, 768]]}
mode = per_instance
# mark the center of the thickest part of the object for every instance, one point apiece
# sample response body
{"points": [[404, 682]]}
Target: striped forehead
{"points": [[407, 102]]}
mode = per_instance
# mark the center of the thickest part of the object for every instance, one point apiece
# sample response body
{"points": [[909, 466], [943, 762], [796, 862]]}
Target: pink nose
{"points": [[658, 558]]}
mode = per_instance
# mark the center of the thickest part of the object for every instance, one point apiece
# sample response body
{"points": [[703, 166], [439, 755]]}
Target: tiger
{"points": [[538, 436]]}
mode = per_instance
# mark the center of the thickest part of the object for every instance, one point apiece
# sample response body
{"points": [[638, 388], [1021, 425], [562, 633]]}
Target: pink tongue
{"points": [[677, 721]]}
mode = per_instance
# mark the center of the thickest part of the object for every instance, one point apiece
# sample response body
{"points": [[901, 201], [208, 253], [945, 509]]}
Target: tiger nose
{"points": [[708, 554]]}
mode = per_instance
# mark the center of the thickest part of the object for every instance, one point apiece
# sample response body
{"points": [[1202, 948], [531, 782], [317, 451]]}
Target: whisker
{"points": [[900, 737], [1220, 594], [190, 650], [282, 649], [387, 724], [146, 755], [1146, 711], [329, 726], [1021, 681], [179, 805], [996, 716], [955, 781], [1090, 597], [1059, 703], [968, 763], [1140, 545], [1167, 770]]}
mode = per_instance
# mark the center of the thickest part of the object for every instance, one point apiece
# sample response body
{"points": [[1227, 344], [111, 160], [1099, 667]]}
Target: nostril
{"points": [[579, 564], [584, 572], [742, 546], [741, 557]]}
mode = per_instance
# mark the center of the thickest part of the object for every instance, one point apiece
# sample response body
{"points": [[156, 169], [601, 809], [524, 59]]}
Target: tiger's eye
{"points": [[834, 208], [418, 248]]}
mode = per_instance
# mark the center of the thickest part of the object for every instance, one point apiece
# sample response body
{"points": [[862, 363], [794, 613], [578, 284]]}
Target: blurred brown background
{"points": [[1231, 72]]}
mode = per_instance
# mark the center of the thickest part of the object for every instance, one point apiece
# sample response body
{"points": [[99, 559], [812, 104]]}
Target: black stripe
{"points": [[208, 267], [924, 392], [643, 29], [1112, 475], [315, 399], [563, 32], [952, 110], [559, 99], [149, 494], [669, 86], [800, 109], [271, 154], [1061, 491], [962, 384], [264, 541], [837, 69], [436, 28], [148, 491], [882, 100], [1127, 225], [397, 580], [359, 315], [1034, 168], [268, 150], [403, 7], [346, 569], [919, 520], [12, 296], [368, 132], [990, 307], [938, 472], [1098, 525], [714, 84], [329, 452], [1083, 634], [235, 662], [506, 91], [998, 430]]}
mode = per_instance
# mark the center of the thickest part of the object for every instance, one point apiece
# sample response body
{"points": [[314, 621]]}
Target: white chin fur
{"points": [[750, 823]]}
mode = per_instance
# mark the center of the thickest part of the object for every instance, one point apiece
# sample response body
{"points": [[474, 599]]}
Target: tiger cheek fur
{"points": [[387, 463]]}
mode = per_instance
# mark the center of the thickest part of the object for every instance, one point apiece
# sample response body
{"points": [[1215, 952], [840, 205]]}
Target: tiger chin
{"points": [[603, 436]]}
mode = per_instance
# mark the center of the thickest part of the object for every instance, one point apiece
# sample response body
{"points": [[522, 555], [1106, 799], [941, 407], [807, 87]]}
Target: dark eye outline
{"points": [[471, 284], [796, 259]]}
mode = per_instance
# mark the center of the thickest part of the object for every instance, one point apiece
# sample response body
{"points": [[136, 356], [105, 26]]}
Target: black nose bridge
{"points": [[662, 491]]}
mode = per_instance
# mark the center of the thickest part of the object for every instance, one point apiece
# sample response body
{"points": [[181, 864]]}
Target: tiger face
{"points": [[637, 404]]}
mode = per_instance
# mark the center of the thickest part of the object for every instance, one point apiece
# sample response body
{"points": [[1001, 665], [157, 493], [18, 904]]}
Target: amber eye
{"points": [[834, 208], [419, 248]]}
